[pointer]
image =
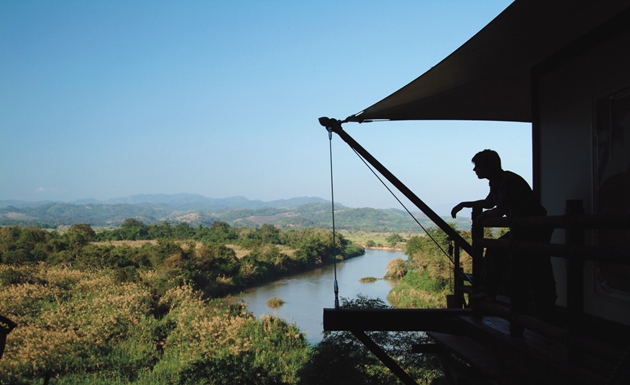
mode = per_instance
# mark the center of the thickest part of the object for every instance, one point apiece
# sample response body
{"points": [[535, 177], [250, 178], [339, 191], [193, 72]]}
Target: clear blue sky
{"points": [[105, 99]]}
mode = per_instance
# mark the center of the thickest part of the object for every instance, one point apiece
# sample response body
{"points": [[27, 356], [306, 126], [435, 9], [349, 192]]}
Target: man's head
{"points": [[487, 163]]}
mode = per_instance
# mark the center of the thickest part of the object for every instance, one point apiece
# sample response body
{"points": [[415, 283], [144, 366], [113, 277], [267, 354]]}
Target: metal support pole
{"points": [[385, 359], [335, 126]]}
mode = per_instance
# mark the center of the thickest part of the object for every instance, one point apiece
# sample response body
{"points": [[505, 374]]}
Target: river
{"points": [[307, 294]]}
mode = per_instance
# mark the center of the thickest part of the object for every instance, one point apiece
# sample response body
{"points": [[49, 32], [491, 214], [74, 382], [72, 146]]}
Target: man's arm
{"points": [[482, 203]]}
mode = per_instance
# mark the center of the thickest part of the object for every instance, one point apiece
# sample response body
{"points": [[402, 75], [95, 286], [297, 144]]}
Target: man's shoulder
{"points": [[514, 180], [512, 175]]}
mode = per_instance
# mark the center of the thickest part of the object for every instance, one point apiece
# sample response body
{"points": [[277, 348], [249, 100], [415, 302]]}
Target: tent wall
{"points": [[568, 92]]}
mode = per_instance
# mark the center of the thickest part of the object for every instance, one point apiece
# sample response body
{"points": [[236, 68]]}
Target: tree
{"points": [[80, 235], [133, 229], [163, 230], [220, 228], [414, 245], [184, 231], [396, 268], [269, 234], [394, 239], [22, 245]]}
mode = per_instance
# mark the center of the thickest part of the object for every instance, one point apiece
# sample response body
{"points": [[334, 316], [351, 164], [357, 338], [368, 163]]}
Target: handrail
{"points": [[574, 250], [577, 221], [589, 253]]}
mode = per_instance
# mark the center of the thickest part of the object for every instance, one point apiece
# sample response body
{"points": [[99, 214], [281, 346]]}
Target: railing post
{"points": [[575, 279], [476, 233], [459, 279], [456, 300], [518, 287]]}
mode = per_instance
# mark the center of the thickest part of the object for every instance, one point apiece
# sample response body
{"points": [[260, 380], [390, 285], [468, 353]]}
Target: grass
{"points": [[368, 279], [240, 251], [275, 302], [362, 238], [128, 243]]}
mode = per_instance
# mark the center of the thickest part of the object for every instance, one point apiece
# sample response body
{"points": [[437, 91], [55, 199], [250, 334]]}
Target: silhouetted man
{"points": [[511, 196]]}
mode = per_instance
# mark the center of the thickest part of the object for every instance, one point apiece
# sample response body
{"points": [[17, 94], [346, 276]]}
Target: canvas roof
{"points": [[489, 76]]}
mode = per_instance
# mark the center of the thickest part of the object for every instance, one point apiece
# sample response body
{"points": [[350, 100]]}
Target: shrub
{"points": [[396, 269], [417, 289], [275, 302], [87, 328]]}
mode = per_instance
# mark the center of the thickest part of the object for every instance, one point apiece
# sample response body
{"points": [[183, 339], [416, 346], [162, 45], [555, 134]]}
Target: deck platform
{"points": [[532, 359], [485, 344]]}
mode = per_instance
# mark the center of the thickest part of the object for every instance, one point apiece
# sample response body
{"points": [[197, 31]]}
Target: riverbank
{"points": [[378, 240], [401, 249], [307, 293]]}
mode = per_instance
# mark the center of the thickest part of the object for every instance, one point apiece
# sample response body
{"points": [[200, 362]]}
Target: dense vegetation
{"points": [[181, 253], [427, 274], [151, 304], [98, 312], [80, 327]]}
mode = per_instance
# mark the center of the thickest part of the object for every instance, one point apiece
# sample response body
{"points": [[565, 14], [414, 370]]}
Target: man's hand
{"points": [[456, 209]]}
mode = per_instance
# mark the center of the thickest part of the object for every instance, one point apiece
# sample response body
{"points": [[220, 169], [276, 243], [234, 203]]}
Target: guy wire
{"points": [[332, 199], [405, 207]]}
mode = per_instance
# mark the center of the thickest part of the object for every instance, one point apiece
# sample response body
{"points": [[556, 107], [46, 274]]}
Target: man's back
{"points": [[513, 196]]}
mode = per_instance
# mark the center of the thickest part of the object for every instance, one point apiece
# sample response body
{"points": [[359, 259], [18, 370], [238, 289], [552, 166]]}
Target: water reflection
{"points": [[307, 294]]}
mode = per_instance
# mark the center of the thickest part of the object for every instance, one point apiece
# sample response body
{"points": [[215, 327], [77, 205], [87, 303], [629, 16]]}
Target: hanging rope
{"points": [[332, 199], [405, 207], [326, 123]]}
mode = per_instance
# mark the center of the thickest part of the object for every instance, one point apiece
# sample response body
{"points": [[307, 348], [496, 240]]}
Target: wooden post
{"points": [[477, 255], [518, 291], [459, 278], [454, 300], [575, 279]]}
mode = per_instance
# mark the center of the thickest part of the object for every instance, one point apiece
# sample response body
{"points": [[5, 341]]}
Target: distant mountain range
{"points": [[182, 201], [197, 209]]}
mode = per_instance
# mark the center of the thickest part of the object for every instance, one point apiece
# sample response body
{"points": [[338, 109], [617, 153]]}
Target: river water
{"points": [[307, 294]]}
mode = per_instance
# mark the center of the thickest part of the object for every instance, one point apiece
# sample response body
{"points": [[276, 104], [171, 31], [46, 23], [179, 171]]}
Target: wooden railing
{"points": [[574, 251]]}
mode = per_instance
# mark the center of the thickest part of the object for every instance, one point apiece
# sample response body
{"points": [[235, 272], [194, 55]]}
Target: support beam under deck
{"points": [[440, 320]]}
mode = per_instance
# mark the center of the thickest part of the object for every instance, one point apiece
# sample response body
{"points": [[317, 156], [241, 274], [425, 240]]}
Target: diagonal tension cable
{"points": [[332, 199], [402, 204]]}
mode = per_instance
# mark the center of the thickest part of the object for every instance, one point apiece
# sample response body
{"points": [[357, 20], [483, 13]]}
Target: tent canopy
{"points": [[489, 76]]}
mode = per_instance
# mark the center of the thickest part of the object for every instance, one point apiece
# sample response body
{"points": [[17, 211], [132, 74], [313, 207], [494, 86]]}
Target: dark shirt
{"points": [[512, 196]]}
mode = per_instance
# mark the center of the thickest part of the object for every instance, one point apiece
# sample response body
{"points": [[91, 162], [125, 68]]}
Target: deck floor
{"points": [[532, 359]]}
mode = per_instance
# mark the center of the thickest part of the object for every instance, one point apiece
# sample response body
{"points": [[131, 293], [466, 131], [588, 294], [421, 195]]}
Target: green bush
{"points": [[275, 302], [418, 289]]}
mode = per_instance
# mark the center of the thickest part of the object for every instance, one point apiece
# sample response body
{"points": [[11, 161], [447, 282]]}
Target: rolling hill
{"points": [[197, 209]]}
